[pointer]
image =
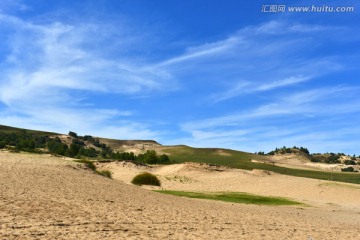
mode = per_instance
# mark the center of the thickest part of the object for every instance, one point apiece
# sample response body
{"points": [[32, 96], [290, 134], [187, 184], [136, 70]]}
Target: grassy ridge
{"points": [[235, 197], [7, 129], [242, 160]]}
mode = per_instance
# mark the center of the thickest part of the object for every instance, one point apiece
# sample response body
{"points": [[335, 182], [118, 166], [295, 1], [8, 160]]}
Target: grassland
{"points": [[242, 160], [235, 197]]}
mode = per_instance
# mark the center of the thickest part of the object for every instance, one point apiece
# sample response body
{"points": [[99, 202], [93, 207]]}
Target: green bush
{"points": [[315, 159], [349, 162], [348, 169], [146, 178], [73, 134], [2, 144]]}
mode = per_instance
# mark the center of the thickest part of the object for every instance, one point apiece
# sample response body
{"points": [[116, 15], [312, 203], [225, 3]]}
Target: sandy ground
{"points": [[44, 197], [202, 177]]}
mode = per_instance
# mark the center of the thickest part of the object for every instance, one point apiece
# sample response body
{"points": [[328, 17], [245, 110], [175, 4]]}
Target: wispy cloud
{"points": [[302, 118], [281, 83], [244, 87], [51, 68], [300, 104], [257, 58], [57, 59]]}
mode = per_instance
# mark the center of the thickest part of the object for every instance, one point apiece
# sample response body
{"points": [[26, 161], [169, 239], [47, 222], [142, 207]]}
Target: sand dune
{"points": [[202, 177], [298, 161], [43, 197]]}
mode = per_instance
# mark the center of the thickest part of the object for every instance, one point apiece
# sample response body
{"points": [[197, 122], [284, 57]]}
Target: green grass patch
{"points": [[146, 178], [235, 197], [242, 160]]}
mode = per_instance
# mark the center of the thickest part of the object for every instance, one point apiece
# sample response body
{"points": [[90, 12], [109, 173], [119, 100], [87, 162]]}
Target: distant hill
{"points": [[97, 148]]}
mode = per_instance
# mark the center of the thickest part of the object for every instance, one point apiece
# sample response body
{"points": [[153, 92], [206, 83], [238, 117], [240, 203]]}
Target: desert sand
{"points": [[44, 197], [203, 177]]}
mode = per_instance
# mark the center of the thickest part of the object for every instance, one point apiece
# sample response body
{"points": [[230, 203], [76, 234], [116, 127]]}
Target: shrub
{"points": [[150, 157], [304, 150], [272, 153], [348, 169], [146, 179], [73, 134], [163, 159], [315, 159], [2, 144], [349, 162], [333, 158]]}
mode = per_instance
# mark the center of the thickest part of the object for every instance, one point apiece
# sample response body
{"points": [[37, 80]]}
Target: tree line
{"points": [[285, 150]]}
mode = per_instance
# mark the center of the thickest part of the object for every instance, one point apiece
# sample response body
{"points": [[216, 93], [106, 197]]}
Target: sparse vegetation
{"points": [[329, 158], [181, 179], [234, 197], [348, 169], [285, 150], [349, 162], [88, 164], [146, 178], [91, 165], [104, 173]]}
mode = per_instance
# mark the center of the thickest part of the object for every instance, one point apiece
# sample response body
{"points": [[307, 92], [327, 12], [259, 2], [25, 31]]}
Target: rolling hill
{"points": [[225, 157]]}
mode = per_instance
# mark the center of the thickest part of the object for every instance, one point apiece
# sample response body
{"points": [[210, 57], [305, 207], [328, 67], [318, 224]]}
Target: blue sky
{"points": [[200, 73]]}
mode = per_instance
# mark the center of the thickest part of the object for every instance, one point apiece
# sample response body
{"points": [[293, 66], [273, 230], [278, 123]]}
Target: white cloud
{"points": [[244, 87], [50, 57], [254, 59], [281, 83], [51, 69], [299, 104]]}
